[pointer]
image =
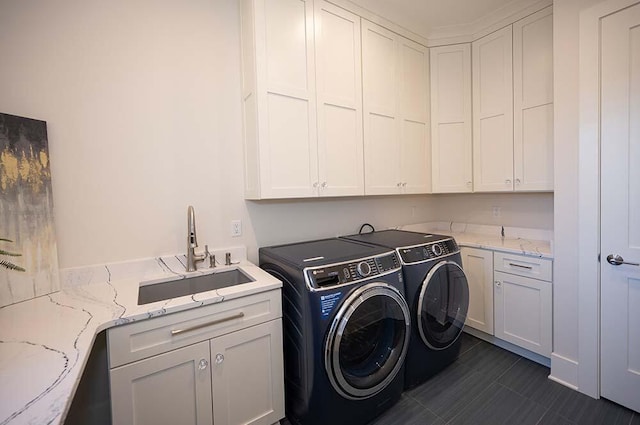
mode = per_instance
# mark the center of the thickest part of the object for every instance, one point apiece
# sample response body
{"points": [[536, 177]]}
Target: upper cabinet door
{"points": [[493, 112], [451, 118], [339, 93], [381, 112], [533, 101], [279, 99], [415, 146]]}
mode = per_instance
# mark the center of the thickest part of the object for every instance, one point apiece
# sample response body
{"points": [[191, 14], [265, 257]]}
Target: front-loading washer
{"points": [[346, 329], [437, 293]]}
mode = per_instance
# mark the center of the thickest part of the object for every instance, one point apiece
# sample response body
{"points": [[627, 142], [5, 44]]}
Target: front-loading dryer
{"points": [[437, 293], [346, 329]]}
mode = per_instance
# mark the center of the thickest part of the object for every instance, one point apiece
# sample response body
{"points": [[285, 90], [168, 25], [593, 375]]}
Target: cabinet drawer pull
{"points": [[204, 325], [521, 266]]}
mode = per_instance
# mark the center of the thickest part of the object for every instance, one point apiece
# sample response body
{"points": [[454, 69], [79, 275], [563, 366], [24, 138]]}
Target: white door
{"points": [[339, 91], [620, 206]]}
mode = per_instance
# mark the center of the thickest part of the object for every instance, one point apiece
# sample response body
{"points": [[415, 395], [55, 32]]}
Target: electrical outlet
{"points": [[236, 228], [496, 212]]}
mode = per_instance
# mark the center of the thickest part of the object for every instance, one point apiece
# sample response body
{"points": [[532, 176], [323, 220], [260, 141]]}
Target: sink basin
{"points": [[164, 289]]}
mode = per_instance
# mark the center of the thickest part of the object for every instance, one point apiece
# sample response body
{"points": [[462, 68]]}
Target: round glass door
{"points": [[443, 305], [367, 341]]}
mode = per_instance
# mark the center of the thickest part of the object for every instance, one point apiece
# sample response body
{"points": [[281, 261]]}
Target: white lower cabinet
{"points": [[523, 301], [247, 381], [478, 266], [171, 388], [222, 367], [510, 297]]}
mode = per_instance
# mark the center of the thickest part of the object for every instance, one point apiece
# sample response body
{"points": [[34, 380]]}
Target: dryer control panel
{"points": [[430, 251], [352, 271]]}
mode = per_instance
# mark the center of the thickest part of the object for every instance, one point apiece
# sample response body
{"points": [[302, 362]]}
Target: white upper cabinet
{"points": [[533, 101], [279, 99], [381, 121], [451, 118], [493, 112], [396, 113], [339, 91], [302, 99], [415, 146]]}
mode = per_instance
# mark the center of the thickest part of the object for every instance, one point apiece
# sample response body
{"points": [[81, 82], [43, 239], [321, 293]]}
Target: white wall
{"points": [[532, 210], [142, 102], [566, 15]]}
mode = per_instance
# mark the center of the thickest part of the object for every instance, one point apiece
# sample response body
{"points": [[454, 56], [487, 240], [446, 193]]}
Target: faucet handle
{"points": [[212, 257]]}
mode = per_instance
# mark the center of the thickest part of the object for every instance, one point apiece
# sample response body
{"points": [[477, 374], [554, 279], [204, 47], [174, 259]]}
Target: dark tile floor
{"points": [[489, 385]]}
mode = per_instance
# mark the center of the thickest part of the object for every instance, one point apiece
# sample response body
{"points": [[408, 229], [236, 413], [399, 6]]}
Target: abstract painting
{"points": [[28, 251]]}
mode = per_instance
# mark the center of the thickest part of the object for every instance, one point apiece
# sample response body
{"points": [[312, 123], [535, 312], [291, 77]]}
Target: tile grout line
{"points": [[471, 400], [427, 409], [507, 370]]}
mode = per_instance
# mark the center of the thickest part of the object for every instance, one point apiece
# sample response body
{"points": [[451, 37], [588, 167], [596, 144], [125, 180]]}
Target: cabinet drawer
{"points": [[521, 265], [147, 338]]}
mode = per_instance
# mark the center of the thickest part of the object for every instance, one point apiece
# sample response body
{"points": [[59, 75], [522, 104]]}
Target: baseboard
{"points": [[564, 371], [535, 357]]}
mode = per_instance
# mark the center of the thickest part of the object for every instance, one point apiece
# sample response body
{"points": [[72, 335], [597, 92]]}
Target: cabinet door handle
{"points": [[204, 325], [219, 358], [507, 181], [202, 365], [521, 266], [498, 283]]}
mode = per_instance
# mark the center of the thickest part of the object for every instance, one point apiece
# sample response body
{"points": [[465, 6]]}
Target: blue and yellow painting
{"points": [[28, 251]]}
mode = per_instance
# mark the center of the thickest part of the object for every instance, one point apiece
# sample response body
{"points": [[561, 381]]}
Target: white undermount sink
{"points": [[172, 287]]}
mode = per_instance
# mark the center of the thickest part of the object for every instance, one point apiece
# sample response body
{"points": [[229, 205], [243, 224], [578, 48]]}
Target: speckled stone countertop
{"points": [[533, 242], [45, 342]]}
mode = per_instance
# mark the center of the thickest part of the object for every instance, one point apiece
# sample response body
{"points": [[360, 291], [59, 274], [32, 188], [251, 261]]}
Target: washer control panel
{"points": [[352, 271], [430, 251]]}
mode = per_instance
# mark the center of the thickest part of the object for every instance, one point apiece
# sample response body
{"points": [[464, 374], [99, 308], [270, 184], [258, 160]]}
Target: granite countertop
{"points": [[45, 342], [532, 242]]}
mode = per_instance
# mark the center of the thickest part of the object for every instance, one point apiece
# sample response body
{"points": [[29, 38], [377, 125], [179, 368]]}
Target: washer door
{"points": [[443, 305], [367, 341]]}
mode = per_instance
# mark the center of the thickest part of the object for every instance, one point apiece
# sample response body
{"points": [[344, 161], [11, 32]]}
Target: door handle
{"points": [[617, 260]]}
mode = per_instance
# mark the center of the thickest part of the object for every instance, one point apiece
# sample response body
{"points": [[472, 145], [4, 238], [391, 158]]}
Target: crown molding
{"points": [[376, 19], [500, 18]]}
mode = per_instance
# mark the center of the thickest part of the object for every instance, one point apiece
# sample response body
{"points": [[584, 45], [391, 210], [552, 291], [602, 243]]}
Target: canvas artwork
{"points": [[28, 252]]}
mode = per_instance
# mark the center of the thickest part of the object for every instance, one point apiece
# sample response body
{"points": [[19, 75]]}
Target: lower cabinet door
{"points": [[478, 266], [523, 312], [248, 380], [170, 388]]}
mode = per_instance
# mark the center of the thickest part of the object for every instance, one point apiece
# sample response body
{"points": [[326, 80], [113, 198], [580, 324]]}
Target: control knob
{"points": [[364, 269], [436, 249]]}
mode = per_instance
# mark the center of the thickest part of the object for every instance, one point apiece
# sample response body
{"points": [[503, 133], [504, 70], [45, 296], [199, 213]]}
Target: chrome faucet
{"points": [[192, 242]]}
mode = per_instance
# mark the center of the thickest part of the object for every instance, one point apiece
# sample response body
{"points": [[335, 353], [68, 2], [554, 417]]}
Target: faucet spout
{"points": [[192, 241]]}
